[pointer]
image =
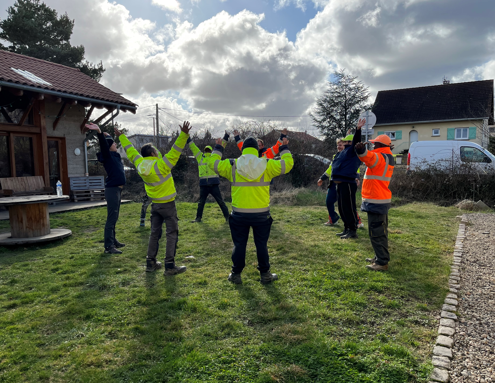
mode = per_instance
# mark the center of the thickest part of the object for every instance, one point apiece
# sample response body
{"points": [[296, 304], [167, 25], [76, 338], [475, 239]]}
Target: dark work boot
{"points": [[268, 277], [349, 234], [174, 270], [142, 222], [118, 244], [112, 250], [197, 220], [152, 265], [235, 278], [343, 233]]}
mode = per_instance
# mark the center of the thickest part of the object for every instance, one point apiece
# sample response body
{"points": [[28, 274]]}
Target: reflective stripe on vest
{"points": [[380, 178], [217, 152], [162, 178], [378, 201], [127, 147], [169, 164], [282, 163], [177, 148], [217, 162], [376, 162], [385, 170], [261, 210], [136, 158], [197, 155], [206, 177], [285, 152], [164, 198]]}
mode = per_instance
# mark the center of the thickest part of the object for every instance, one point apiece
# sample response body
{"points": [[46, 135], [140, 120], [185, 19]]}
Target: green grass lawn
{"points": [[69, 313]]}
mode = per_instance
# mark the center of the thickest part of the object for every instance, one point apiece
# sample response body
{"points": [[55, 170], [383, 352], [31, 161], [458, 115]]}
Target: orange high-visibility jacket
{"points": [[375, 190], [269, 153]]}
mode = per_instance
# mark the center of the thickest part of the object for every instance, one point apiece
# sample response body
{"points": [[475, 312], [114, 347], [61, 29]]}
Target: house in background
{"points": [[43, 109], [460, 111]]}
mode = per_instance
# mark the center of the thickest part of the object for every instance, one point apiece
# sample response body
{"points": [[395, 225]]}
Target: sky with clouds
{"points": [[218, 63]]}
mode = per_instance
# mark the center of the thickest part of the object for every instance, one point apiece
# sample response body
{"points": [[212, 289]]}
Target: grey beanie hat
{"points": [[250, 142]]}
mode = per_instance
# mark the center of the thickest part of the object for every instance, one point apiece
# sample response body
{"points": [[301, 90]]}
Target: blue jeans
{"points": [[331, 199]]}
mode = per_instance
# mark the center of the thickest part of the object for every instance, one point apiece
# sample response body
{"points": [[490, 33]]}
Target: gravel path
{"points": [[474, 340]]}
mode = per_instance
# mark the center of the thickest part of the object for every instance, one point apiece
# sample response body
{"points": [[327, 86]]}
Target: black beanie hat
{"points": [[110, 140], [250, 142]]}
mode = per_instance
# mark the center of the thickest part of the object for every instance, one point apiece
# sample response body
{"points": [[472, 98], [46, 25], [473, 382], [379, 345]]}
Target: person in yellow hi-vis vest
{"points": [[208, 179], [250, 177], [155, 171]]}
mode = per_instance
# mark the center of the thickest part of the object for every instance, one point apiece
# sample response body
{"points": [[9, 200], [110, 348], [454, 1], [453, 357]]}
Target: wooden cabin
{"points": [[43, 109]]}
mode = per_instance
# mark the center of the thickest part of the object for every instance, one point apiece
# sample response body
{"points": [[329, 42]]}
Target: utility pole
{"points": [[157, 126], [154, 130]]}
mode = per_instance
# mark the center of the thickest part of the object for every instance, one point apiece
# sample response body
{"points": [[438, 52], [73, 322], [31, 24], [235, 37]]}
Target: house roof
{"points": [[301, 136], [461, 101], [24, 72]]}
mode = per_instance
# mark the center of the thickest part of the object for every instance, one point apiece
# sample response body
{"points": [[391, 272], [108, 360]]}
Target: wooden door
{"points": [[57, 163]]}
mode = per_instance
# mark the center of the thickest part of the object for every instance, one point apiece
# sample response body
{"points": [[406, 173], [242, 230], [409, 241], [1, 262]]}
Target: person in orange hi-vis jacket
{"points": [[269, 153], [377, 196]]}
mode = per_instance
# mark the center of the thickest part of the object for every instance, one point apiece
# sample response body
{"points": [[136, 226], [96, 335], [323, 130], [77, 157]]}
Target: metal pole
{"points": [[157, 125]]}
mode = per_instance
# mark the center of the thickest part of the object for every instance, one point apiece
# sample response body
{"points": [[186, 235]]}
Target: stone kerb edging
{"points": [[442, 352]]}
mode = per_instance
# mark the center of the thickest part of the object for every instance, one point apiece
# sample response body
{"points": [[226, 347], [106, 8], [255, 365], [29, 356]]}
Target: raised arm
{"points": [[238, 141], [104, 148], [222, 168], [275, 168], [194, 149], [171, 158]]}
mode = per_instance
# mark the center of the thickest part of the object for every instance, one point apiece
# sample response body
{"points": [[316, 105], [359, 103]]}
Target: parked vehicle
{"points": [[450, 156]]}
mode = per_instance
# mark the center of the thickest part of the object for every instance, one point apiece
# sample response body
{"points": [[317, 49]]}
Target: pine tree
{"points": [[338, 109], [34, 29]]}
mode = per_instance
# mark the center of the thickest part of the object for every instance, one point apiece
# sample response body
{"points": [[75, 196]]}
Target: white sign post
{"points": [[370, 118]]}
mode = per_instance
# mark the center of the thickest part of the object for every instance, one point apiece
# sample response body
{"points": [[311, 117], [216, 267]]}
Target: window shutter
{"points": [[450, 133], [378, 133], [472, 132], [398, 134]]}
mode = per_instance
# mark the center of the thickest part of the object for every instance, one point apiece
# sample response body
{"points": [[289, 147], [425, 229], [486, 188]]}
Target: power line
{"points": [[233, 115]]}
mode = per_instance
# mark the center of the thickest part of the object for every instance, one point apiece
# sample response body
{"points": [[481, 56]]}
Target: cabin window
{"points": [[24, 156], [435, 132]]}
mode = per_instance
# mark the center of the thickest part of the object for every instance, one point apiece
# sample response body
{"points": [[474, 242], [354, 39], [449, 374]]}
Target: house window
{"points": [[435, 132], [461, 133], [391, 135]]}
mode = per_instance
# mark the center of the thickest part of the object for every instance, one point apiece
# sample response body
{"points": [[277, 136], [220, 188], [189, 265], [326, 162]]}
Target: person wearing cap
{"points": [[114, 183], [262, 151], [377, 196], [250, 177], [344, 174], [332, 197], [208, 179], [156, 172]]}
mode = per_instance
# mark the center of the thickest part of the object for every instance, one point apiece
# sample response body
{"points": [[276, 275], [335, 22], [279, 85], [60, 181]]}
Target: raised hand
{"points": [[117, 132], [285, 131], [218, 141], [360, 146], [236, 133], [361, 123], [185, 127], [320, 182], [92, 126]]}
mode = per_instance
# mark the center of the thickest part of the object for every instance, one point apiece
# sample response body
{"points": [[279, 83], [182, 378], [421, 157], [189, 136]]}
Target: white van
{"points": [[450, 155]]}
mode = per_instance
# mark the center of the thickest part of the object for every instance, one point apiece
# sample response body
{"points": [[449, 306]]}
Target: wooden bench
{"points": [[24, 186], [90, 188]]}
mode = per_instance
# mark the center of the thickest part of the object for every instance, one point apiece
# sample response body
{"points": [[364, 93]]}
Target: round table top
{"points": [[21, 200]]}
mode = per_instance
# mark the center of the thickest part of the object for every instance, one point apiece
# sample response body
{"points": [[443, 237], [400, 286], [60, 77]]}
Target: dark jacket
{"points": [[346, 164], [112, 162]]}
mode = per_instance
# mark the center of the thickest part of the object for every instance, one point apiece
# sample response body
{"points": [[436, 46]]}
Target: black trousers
{"points": [[214, 190], [378, 231], [113, 197], [346, 192], [239, 229]]}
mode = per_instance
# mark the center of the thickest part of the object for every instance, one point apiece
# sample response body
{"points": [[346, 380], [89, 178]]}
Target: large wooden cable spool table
{"points": [[30, 220]]}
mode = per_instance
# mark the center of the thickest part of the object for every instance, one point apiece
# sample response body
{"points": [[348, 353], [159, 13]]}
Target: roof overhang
{"points": [[432, 121], [107, 104]]}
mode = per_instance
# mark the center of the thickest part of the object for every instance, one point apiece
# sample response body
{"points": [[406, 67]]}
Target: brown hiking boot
{"points": [[377, 267]]}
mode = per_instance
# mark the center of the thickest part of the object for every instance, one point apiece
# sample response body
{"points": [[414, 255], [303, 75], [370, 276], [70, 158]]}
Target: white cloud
{"points": [[168, 5], [400, 43]]}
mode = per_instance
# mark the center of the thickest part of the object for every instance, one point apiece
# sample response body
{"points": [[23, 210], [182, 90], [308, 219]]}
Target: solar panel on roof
{"points": [[31, 77]]}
